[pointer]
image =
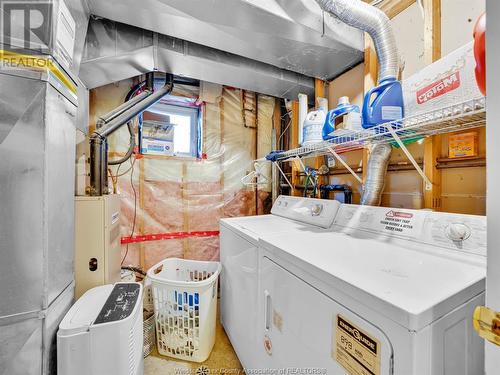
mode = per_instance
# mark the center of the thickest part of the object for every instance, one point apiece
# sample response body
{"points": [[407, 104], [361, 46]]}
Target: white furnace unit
{"points": [[97, 241]]}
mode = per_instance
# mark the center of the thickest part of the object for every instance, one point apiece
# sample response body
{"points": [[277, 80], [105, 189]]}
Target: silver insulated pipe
{"points": [[375, 22], [375, 176], [372, 20]]}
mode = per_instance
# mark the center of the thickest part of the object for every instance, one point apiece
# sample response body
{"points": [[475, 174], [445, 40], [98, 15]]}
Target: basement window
{"points": [[171, 130]]}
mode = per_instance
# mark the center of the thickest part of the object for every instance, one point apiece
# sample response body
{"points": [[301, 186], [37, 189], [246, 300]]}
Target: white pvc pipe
{"points": [[302, 115]]}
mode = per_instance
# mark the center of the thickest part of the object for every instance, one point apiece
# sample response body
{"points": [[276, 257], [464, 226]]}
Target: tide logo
{"points": [[439, 88]]}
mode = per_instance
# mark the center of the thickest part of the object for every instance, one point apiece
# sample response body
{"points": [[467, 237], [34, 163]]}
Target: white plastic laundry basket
{"points": [[185, 306]]}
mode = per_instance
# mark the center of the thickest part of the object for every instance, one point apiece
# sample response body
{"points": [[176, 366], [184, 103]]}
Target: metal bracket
{"points": [[284, 175], [428, 183], [298, 158], [337, 156]]}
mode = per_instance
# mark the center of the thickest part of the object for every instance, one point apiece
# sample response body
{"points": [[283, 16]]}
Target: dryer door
{"points": [[306, 330]]}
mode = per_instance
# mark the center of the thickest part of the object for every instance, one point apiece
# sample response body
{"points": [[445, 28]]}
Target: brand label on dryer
{"points": [[354, 349]]}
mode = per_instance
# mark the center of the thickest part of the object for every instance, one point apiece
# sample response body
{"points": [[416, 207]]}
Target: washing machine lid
{"points": [[254, 227], [85, 310], [411, 287], [288, 214]]}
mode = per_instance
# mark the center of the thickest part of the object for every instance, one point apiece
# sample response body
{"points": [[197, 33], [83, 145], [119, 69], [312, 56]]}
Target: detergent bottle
{"points": [[335, 118], [383, 103], [313, 124]]}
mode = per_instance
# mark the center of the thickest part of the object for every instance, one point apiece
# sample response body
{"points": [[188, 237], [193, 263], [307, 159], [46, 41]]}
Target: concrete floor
{"points": [[222, 358]]}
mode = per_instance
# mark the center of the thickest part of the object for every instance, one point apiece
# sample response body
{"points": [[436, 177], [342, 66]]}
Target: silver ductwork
{"points": [[375, 176], [115, 51], [288, 34], [375, 22], [111, 122]]}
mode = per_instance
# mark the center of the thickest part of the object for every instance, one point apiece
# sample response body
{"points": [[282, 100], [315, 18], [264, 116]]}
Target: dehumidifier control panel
{"points": [[318, 212], [120, 303]]}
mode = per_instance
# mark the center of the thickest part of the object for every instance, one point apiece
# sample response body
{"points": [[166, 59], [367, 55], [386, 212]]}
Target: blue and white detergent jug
{"points": [[335, 115], [386, 106], [313, 125]]}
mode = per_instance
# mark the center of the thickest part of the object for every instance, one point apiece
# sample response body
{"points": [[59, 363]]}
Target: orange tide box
{"points": [[448, 81], [462, 145]]}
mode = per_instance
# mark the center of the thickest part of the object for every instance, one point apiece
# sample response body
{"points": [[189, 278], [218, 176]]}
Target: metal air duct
{"points": [[115, 51], [375, 22]]}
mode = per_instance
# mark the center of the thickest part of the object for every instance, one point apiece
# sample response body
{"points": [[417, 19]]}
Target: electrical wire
{"points": [[123, 173], [135, 208]]}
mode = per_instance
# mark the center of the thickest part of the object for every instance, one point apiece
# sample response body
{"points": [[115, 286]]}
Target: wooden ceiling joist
{"points": [[392, 7]]}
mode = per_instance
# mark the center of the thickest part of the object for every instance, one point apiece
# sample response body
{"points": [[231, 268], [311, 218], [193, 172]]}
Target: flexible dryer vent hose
{"points": [[375, 176], [375, 22]]}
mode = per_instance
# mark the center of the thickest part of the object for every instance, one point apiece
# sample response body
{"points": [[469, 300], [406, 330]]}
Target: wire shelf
{"points": [[467, 115]]}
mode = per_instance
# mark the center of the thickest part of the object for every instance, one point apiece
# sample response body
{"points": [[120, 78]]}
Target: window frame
{"points": [[194, 112]]}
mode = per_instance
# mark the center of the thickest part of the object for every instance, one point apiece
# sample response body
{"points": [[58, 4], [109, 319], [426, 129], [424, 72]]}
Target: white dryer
{"points": [[386, 291], [239, 255]]}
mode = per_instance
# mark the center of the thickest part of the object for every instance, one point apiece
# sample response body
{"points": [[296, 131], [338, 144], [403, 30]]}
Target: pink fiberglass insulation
{"points": [[127, 204], [156, 251], [191, 195], [163, 206], [203, 211], [203, 248], [240, 203]]}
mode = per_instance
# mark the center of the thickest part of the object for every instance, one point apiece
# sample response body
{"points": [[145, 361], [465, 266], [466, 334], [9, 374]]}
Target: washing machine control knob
{"points": [[458, 232], [316, 209]]}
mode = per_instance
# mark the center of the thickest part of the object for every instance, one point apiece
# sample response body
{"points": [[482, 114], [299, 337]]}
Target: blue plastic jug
{"points": [[386, 106], [343, 108]]}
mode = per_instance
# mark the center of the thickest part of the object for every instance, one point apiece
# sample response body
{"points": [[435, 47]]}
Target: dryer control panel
{"points": [[466, 233], [319, 212]]}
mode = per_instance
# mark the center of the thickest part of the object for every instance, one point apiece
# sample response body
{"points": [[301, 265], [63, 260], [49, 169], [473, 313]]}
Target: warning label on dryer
{"points": [[383, 221], [399, 222], [354, 349]]}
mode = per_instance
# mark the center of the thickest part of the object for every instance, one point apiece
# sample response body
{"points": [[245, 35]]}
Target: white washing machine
{"points": [[239, 255], [386, 291]]}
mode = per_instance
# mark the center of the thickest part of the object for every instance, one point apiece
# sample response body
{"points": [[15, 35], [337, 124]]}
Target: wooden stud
{"points": [[364, 163], [393, 7], [294, 143], [319, 92], [140, 216], [319, 88], [222, 158], [371, 74], [276, 146], [432, 32], [432, 151], [432, 145], [185, 209]]}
